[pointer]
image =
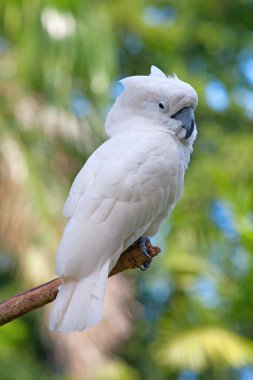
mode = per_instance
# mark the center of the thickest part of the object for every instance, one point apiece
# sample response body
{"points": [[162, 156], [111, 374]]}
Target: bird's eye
{"points": [[161, 105]]}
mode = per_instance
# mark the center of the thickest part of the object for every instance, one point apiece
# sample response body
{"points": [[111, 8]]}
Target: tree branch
{"points": [[35, 298]]}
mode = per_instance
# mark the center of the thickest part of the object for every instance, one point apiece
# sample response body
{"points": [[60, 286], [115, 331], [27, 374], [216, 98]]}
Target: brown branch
{"points": [[32, 299]]}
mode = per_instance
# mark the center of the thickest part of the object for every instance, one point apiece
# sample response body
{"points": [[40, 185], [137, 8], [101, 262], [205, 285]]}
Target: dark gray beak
{"points": [[186, 116]]}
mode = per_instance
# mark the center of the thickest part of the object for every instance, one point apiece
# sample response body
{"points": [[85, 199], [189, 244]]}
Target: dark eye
{"points": [[161, 105]]}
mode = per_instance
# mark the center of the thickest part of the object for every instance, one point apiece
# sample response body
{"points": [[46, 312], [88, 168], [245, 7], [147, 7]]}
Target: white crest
{"points": [[155, 72]]}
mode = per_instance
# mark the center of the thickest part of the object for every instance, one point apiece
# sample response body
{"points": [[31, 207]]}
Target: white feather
{"points": [[125, 189], [156, 72]]}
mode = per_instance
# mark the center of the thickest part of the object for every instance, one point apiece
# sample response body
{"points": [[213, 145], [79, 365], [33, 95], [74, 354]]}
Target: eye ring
{"points": [[161, 105]]}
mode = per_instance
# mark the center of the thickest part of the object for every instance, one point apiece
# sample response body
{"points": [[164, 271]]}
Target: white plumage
{"points": [[125, 189]]}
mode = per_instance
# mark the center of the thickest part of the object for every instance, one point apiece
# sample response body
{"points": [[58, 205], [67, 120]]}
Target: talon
{"points": [[143, 247], [145, 266], [142, 241]]}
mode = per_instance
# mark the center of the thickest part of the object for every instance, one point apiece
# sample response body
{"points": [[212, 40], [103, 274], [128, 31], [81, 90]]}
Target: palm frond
{"points": [[197, 349]]}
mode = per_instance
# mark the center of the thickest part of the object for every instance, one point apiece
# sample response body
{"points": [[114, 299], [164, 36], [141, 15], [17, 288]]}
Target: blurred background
{"points": [[190, 317]]}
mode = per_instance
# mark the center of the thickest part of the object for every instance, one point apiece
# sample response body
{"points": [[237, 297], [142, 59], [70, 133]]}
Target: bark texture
{"points": [[35, 298]]}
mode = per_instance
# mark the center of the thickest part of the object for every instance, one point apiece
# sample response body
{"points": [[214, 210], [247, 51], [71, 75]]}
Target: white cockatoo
{"points": [[124, 190]]}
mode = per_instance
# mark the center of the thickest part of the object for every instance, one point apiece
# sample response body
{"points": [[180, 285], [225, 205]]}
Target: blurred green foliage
{"points": [[59, 65]]}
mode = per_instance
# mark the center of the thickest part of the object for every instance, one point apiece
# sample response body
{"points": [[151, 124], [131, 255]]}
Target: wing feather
{"points": [[81, 182], [113, 201]]}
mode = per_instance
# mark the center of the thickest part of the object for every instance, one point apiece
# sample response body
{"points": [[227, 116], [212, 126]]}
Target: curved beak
{"points": [[186, 116]]}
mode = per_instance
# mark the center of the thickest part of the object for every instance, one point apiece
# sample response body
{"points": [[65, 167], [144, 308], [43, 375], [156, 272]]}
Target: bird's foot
{"points": [[142, 243]]}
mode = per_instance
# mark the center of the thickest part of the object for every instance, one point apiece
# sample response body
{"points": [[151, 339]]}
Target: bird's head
{"points": [[156, 100]]}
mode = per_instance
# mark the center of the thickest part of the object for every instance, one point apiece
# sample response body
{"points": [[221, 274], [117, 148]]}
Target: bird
{"points": [[124, 190]]}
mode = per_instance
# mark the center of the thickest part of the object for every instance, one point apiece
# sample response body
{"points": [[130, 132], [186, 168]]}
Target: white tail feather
{"points": [[79, 304]]}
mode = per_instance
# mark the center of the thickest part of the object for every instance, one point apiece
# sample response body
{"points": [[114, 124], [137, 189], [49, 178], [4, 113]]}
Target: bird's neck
{"points": [[119, 123]]}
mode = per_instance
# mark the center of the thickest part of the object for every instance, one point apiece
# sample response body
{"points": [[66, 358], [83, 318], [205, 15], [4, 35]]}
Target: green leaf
{"points": [[200, 348]]}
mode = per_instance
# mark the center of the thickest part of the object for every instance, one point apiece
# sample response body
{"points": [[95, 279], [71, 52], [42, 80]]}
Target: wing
{"points": [[114, 199]]}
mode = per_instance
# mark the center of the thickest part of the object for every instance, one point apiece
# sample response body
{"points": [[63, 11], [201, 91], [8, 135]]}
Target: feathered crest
{"points": [[156, 72]]}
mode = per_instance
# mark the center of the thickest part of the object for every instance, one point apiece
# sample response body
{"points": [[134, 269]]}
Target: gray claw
{"points": [[143, 246], [142, 241], [145, 266]]}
